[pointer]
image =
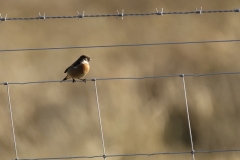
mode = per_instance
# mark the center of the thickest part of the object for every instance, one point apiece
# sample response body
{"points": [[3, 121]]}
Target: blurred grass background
{"points": [[145, 116]]}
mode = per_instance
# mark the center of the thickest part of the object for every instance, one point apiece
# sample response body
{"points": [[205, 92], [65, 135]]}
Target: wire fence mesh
{"points": [[105, 155], [94, 80]]}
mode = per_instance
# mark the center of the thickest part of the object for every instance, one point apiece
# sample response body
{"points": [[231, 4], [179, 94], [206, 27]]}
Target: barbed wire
{"points": [[124, 78], [121, 45], [104, 156], [118, 14]]}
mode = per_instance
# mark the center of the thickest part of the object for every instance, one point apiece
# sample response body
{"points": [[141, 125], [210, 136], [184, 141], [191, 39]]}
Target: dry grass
{"points": [[144, 116]]}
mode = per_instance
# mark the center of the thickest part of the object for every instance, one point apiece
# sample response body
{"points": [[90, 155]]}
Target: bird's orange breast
{"points": [[79, 71], [85, 68]]}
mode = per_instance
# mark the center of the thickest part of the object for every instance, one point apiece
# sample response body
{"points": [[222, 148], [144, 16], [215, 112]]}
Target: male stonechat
{"points": [[78, 69]]}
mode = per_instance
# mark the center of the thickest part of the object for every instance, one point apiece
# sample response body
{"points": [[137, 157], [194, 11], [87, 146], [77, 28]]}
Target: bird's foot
{"points": [[63, 80], [73, 80]]}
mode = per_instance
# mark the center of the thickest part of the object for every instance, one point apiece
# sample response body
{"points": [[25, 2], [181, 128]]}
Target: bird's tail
{"points": [[64, 79]]}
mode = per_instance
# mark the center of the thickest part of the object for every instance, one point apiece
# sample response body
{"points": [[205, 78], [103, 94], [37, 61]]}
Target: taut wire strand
{"points": [[131, 155], [11, 117], [189, 124], [99, 118], [126, 78], [121, 45]]}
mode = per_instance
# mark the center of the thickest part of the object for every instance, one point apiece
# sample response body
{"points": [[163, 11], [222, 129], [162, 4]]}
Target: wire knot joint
{"points": [[198, 11], [120, 14], [159, 13], [236, 10], [181, 75], [80, 15], [41, 17], [3, 18]]}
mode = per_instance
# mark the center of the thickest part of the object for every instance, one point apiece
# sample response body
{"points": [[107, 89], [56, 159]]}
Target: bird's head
{"points": [[85, 58]]}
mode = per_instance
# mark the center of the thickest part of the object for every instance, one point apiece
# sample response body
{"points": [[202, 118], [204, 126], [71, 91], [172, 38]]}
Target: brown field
{"points": [[138, 116]]}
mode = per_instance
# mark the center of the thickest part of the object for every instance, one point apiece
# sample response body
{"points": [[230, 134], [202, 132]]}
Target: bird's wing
{"points": [[75, 64], [66, 70]]}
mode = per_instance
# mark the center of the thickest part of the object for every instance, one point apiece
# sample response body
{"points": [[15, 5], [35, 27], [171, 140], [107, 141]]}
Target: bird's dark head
{"points": [[84, 57]]}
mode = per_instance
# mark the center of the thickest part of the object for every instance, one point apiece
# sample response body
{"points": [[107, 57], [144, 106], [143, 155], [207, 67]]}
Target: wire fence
{"points": [[105, 155], [122, 45], [121, 15], [125, 78], [118, 14]]}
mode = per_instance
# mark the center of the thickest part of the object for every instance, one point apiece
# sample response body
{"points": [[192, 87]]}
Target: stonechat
{"points": [[78, 69]]}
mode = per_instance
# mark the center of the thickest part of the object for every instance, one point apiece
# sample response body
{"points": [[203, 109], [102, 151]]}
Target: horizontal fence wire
{"points": [[118, 14], [121, 45], [132, 155], [124, 78]]}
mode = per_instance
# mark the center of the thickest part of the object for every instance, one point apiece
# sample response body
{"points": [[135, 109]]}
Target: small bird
{"points": [[78, 69]]}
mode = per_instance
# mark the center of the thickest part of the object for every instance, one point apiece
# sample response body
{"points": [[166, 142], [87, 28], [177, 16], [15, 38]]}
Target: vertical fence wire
{"points": [[11, 117], [99, 118], [189, 124]]}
